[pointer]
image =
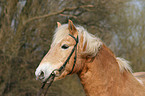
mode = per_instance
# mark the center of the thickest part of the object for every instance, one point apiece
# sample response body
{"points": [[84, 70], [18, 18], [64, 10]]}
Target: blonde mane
{"points": [[123, 65], [91, 43]]}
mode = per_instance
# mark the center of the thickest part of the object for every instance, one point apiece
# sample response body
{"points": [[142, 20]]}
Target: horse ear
{"points": [[58, 24], [72, 28]]}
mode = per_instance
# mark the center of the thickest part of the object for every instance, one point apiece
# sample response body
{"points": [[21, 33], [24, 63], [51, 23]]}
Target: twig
{"points": [[56, 13], [66, 15]]}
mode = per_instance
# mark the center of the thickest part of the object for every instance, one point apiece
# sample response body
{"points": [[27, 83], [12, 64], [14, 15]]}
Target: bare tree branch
{"points": [[56, 13], [66, 15]]}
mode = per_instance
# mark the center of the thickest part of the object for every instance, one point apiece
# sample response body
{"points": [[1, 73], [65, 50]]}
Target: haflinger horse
{"points": [[100, 71]]}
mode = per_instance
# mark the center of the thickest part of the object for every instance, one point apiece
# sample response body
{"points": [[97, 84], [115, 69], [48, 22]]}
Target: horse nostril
{"points": [[41, 76]]}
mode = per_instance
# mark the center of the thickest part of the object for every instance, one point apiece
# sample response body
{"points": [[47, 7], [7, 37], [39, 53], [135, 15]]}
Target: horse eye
{"points": [[64, 46]]}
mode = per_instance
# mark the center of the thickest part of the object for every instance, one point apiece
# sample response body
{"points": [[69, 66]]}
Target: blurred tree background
{"points": [[26, 30]]}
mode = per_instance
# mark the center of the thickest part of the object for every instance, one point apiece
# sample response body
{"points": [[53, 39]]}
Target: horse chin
{"points": [[63, 75], [57, 78]]}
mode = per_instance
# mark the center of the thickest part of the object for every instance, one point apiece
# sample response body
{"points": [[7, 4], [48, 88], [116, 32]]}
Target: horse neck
{"points": [[102, 76]]}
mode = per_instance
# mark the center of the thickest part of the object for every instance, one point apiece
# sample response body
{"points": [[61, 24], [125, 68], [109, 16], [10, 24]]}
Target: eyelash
{"points": [[64, 46]]}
